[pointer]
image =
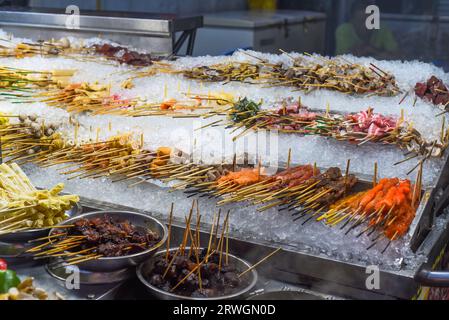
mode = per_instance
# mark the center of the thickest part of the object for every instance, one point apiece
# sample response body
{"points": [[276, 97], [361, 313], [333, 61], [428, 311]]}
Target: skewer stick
{"points": [[289, 157], [169, 231], [39, 247], [85, 259], [170, 263], [227, 244], [416, 196], [58, 249], [222, 239], [406, 159], [196, 249], [216, 229], [192, 241], [70, 254], [197, 228], [197, 233], [63, 226], [184, 241], [258, 263], [211, 235], [375, 175], [389, 242], [420, 182], [49, 237], [405, 96], [348, 163]]}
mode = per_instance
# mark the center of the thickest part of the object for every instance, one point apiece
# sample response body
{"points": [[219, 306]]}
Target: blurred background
{"points": [[410, 29]]}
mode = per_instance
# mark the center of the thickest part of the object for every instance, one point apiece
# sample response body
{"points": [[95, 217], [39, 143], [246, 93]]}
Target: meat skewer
{"points": [[93, 238]]}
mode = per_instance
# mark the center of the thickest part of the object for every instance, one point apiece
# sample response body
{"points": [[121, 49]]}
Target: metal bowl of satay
{"points": [[151, 272], [23, 236], [108, 240]]}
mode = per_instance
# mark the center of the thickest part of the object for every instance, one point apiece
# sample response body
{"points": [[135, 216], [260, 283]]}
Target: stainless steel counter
{"points": [[156, 33], [131, 288], [289, 270]]}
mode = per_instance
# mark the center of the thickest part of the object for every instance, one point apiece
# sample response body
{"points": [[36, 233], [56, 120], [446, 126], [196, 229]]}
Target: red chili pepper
{"points": [[3, 265]]}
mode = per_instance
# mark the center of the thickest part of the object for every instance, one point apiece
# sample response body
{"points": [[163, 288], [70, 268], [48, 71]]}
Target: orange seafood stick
{"points": [[404, 218], [370, 194], [388, 201], [162, 157], [370, 207], [244, 177], [167, 105]]}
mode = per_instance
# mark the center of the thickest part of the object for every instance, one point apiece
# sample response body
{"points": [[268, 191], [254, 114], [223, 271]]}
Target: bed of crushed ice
{"points": [[215, 145]]}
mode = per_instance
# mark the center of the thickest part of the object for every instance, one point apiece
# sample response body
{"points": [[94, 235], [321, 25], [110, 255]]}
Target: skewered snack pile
{"points": [[362, 127], [17, 83], [303, 187], [21, 141], [93, 238], [123, 55], [64, 47], [112, 238], [215, 281], [192, 271], [85, 97], [307, 75], [390, 206], [24, 207], [433, 90]]}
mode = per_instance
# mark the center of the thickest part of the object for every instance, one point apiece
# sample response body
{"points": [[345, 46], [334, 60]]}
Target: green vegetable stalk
{"points": [[244, 109]]}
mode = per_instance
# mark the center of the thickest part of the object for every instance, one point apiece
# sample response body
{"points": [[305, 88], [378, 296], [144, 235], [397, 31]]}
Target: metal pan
{"points": [[109, 264], [25, 235], [145, 268]]}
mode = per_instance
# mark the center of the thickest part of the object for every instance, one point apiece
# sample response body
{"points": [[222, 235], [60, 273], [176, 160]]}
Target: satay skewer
{"points": [[185, 237], [258, 263], [220, 245], [216, 229], [210, 236], [169, 231]]}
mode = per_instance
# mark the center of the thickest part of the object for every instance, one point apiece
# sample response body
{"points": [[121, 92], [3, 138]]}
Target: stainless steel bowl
{"points": [[25, 235], [241, 264], [109, 264]]}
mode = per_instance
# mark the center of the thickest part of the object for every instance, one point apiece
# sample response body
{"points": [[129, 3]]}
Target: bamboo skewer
{"points": [[169, 231], [258, 263], [210, 237]]}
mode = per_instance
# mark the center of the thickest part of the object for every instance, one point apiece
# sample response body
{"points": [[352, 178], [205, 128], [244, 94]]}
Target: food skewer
{"points": [[258, 263]]}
